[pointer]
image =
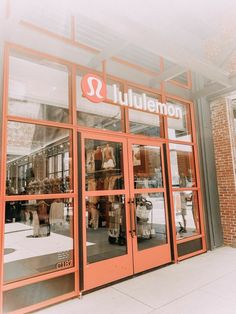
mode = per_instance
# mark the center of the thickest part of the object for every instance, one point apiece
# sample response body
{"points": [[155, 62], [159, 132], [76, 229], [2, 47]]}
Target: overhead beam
{"points": [[111, 50], [167, 75], [155, 40], [208, 90], [215, 89]]}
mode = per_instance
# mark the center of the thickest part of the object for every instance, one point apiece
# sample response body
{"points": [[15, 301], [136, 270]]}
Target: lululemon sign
{"points": [[95, 90]]}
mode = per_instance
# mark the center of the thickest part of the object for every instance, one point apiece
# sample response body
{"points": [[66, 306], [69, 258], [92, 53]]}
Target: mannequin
{"points": [[35, 223], [43, 216], [98, 158], [56, 215], [108, 157]]}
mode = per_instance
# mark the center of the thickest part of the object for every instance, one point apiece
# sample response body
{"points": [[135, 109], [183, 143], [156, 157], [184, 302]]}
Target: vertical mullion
{"points": [[3, 161]]}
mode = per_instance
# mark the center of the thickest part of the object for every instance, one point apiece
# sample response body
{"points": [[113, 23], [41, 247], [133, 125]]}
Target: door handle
{"points": [[135, 220], [130, 202]]}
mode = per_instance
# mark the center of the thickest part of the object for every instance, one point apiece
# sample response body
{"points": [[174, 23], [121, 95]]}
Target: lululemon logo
{"points": [[93, 88]]}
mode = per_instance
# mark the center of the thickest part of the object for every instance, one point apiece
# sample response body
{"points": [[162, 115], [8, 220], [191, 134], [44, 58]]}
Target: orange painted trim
{"points": [[35, 307], [186, 86], [74, 128], [177, 142], [176, 189], [3, 162], [75, 176], [60, 125], [9, 198], [73, 28], [59, 37], [74, 42]]}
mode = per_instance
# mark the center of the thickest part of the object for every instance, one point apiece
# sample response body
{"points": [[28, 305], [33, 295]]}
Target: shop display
{"points": [[116, 229], [103, 166], [45, 171], [144, 223]]}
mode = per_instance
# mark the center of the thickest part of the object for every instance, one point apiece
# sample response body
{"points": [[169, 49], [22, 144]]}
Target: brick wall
{"points": [[222, 138]]}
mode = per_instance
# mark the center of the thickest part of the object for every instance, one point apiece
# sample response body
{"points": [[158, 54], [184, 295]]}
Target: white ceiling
{"points": [[190, 34]]}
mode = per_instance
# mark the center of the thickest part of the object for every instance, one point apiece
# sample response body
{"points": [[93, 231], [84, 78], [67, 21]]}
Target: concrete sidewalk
{"points": [[204, 284]]}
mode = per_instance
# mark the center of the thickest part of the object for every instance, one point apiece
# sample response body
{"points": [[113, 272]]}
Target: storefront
{"points": [[99, 179]]}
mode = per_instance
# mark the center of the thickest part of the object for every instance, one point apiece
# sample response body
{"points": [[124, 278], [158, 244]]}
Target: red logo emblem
{"points": [[93, 88]]}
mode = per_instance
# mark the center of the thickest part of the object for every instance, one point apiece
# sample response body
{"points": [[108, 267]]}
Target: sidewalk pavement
{"points": [[205, 284]]}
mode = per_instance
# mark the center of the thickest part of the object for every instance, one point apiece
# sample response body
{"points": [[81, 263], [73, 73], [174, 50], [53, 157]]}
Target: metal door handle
{"points": [[131, 218], [135, 221]]}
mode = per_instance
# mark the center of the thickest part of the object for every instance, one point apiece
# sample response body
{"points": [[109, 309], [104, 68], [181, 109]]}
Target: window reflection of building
{"points": [[45, 169], [147, 166]]}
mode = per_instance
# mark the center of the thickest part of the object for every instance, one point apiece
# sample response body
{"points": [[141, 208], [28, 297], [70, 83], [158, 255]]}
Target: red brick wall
{"points": [[222, 138]]}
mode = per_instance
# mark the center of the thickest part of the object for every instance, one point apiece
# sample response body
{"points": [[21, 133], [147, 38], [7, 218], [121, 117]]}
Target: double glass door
{"points": [[125, 229]]}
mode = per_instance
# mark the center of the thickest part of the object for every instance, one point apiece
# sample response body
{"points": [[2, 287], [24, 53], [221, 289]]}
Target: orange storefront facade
{"points": [[91, 192]]}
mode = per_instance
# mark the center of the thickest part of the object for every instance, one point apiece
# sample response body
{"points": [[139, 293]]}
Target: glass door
{"points": [[148, 205], [123, 201], [106, 222]]}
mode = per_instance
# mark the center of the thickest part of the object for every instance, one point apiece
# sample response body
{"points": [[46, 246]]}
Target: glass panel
{"points": [[186, 214], [38, 89], [19, 298], [104, 165], [147, 166], [182, 166], [179, 128], [144, 123], [35, 147], [141, 122], [106, 227], [100, 116], [38, 237], [151, 220]]}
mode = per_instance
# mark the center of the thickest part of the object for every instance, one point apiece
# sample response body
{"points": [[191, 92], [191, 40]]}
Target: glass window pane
{"points": [[186, 214], [150, 220], [182, 166], [179, 128], [100, 116], [141, 122], [106, 227], [147, 168], [35, 147], [38, 89], [37, 292], [38, 237], [144, 123], [104, 165]]}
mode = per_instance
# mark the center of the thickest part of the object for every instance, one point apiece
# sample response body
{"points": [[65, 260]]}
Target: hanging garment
{"points": [[35, 224], [56, 214]]}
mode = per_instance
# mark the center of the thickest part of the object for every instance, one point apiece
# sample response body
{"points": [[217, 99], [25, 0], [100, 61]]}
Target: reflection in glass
{"points": [[179, 128], [182, 166], [38, 90], [106, 227], [144, 123], [147, 166], [100, 116], [150, 220], [38, 237], [186, 214], [104, 165], [37, 159]]}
